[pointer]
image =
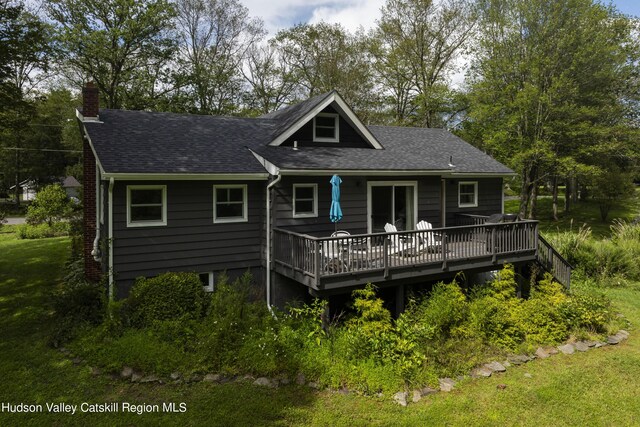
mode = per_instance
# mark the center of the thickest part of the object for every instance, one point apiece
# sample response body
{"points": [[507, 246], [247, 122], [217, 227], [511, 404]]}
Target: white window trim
{"points": [[336, 118], [313, 214], [475, 194], [147, 223], [245, 210], [210, 285]]}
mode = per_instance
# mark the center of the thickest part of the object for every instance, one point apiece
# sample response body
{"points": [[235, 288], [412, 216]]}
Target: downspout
{"points": [[268, 240], [97, 256], [110, 238]]}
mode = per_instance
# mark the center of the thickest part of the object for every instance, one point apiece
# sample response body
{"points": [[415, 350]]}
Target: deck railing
{"points": [[316, 257], [553, 262]]}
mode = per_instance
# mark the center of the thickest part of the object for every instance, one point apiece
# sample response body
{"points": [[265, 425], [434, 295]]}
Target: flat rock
{"points": [[285, 381], [541, 353], [263, 381], [622, 334], [528, 375], [135, 377], [211, 378], [300, 379], [495, 366], [314, 385], [613, 340], [195, 378], [175, 376], [519, 359], [416, 396], [446, 384], [401, 398], [551, 350], [481, 372], [599, 344], [343, 390], [506, 364], [591, 344], [426, 391], [581, 346], [150, 379], [126, 372], [567, 348]]}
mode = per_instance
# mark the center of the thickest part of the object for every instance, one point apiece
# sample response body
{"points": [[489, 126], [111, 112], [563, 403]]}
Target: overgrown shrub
{"points": [[442, 334], [587, 310], [370, 329], [74, 307], [41, 231], [169, 296], [49, 206], [436, 316]]}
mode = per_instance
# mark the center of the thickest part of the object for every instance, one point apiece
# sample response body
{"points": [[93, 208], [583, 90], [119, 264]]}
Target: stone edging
{"points": [[402, 397], [448, 384]]}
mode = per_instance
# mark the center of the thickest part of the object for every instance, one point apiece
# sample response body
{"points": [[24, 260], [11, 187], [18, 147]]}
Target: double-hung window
{"points": [[229, 203], [146, 205], [305, 200], [326, 127], [468, 194]]}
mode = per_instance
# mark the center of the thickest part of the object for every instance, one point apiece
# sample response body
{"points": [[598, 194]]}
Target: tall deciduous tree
{"points": [[550, 82], [415, 45], [23, 49], [270, 78], [119, 44], [214, 37], [324, 57]]}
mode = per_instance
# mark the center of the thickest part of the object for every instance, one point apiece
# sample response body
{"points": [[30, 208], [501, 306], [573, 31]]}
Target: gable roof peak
{"points": [[294, 117]]}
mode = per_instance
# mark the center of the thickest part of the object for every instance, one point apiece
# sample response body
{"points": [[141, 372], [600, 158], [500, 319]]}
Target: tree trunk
{"points": [[567, 195], [574, 189], [533, 203], [524, 194], [554, 190], [17, 177]]}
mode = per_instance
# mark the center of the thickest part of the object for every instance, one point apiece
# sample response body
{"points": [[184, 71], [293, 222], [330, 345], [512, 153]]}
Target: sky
{"points": [[279, 14]]}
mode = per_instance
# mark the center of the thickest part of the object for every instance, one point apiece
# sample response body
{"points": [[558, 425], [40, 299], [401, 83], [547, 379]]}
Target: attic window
{"points": [[326, 128]]}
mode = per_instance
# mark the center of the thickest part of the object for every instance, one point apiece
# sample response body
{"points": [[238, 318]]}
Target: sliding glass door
{"points": [[394, 203]]}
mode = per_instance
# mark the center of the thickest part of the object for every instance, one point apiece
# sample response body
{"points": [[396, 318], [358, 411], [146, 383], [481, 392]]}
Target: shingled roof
{"points": [[139, 142]]}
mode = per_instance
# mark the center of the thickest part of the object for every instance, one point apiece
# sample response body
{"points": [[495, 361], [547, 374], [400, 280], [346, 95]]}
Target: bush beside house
{"points": [[168, 324]]}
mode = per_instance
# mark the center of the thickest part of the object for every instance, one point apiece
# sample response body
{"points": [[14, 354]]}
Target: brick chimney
{"points": [[90, 105], [90, 101]]}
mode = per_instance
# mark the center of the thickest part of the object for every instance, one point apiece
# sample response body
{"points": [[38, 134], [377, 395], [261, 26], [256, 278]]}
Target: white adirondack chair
{"points": [[428, 239]]}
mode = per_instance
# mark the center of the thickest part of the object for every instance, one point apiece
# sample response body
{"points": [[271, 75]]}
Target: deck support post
{"points": [[399, 299]]}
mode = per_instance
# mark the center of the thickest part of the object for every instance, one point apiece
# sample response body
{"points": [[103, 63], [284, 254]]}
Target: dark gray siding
{"points": [[489, 198], [349, 138], [353, 201], [190, 241]]}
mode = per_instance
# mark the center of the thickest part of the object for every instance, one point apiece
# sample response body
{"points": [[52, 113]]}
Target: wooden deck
{"points": [[325, 263]]}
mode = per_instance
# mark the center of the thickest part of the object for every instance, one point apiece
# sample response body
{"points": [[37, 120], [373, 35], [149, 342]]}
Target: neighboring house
{"points": [[71, 186], [28, 189], [170, 192]]}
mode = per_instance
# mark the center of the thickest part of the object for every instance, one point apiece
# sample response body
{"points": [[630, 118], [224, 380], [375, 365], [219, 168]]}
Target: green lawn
{"points": [[600, 387]]}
